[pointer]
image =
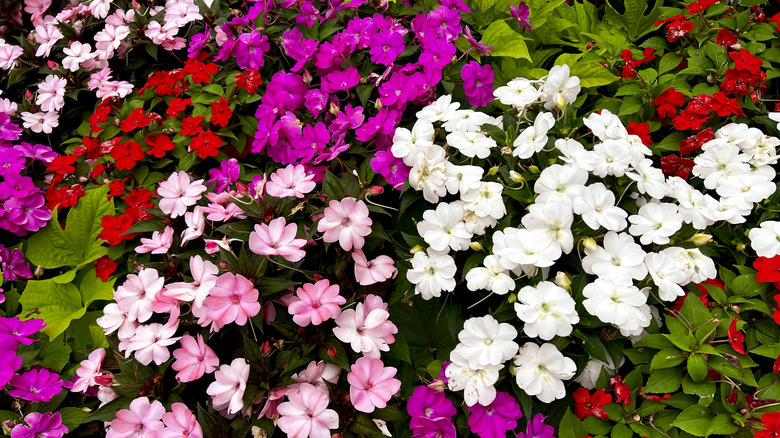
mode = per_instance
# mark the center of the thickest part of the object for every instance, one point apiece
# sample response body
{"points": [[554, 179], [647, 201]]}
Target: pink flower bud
{"points": [[375, 190]]}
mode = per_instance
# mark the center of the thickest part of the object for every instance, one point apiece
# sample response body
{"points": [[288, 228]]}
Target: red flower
{"points": [[587, 405], [642, 130], [137, 201], [689, 120], [178, 105], [91, 147], [677, 166], [201, 73], [166, 83], [104, 267], [116, 188], [99, 116], [97, 170], [249, 80], [657, 398], [114, 228], [776, 366], [220, 112], [206, 144], [699, 6], [736, 338], [776, 314], [676, 27], [622, 391], [136, 119], [127, 154], [776, 19], [744, 60], [160, 144], [768, 269], [667, 102], [725, 106], [726, 38], [771, 421], [62, 165], [191, 125], [63, 196]]}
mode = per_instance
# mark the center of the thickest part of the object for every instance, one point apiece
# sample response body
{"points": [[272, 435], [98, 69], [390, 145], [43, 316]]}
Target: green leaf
{"points": [[668, 62], [630, 105], [592, 74], [697, 367], [667, 358], [747, 285], [73, 417], [634, 20], [722, 424], [505, 41], [663, 381], [694, 311], [621, 431], [571, 426], [695, 420], [703, 389], [77, 244]]}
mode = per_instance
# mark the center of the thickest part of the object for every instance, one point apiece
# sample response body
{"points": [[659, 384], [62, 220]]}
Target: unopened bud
{"points": [[560, 101], [52, 65], [736, 308], [511, 298], [39, 271], [28, 95], [476, 246], [375, 190], [334, 108], [534, 169], [223, 265], [265, 349], [516, 176], [637, 418], [700, 239], [590, 245], [306, 77], [242, 189], [258, 432], [563, 280], [493, 170], [736, 46], [318, 277], [332, 352], [7, 426], [106, 379], [416, 249], [740, 246], [438, 385], [378, 104]]}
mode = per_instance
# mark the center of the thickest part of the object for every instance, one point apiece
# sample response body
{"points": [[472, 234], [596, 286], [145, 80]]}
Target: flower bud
{"points": [[740, 246], [493, 170], [700, 239], [242, 189], [416, 249], [52, 65], [265, 349], [590, 245], [332, 352], [223, 265], [7, 426], [533, 169], [476, 246], [306, 77], [560, 101], [563, 280], [38, 271], [511, 298], [375, 190], [106, 379], [438, 385], [318, 277], [516, 176], [258, 432], [637, 418]]}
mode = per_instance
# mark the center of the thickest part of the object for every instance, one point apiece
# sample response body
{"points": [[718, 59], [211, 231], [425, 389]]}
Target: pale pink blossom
{"points": [[109, 39], [150, 343], [160, 243], [175, 43], [367, 328], [347, 222], [36, 7], [232, 299], [290, 181], [375, 271], [99, 8], [277, 238], [270, 408], [88, 370], [40, 121], [180, 423], [142, 420], [120, 17], [8, 107], [136, 294], [160, 33], [204, 277], [51, 93], [76, 54], [317, 373], [114, 319], [196, 224], [316, 303], [221, 208], [9, 53], [371, 384], [46, 35], [99, 79], [213, 246], [306, 414], [181, 13], [194, 359], [228, 389], [179, 192]]}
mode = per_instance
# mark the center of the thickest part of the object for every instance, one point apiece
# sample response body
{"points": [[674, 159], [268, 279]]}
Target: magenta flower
{"points": [[277, 238], [316, 303], [429, 403], [371, 384], [142, 420], [14, 331], [441, 427], [8, 130], [374, 271], [477, 83], [226, 174], [9, 363], [228, 389], [395, 171], [194, 359], [179, 192], [521, 12], [233, 299], [48, 425], [306, 414], [37, 385], [399, 89], [385, 47], [340, 80], [347, 222], [180, 423], [367, 327], [290, 181], [312, 141], [494, 420], [474, 44], [88, 370], [537, 429]]}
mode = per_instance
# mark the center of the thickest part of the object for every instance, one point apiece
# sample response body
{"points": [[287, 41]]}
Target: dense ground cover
{"points": [[355, 218]]}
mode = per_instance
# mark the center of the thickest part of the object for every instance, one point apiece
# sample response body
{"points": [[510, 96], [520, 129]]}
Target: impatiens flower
{"points": [[160, 243], [765, 240], [371, 384], [432, 272], [485, 200], [656, 222], [441, 427], [485, 341], [196, 225], [547, 311], [143, 419], [492, 277], [736, 338], [232, 299], [136, 295], [624, 306], [228, 389], [317, 373], [306, 414], [620, 260], [180, 423], [596, 205], [14, 331], [367, 327], [194, 359], [477, 384], [537, 429], [429, 403], [771, 421], [204, 277], [316, 303], [48, 425], [88, 370], [51, 93], [179, 192], [540, 371], [471, 144], [150, 342], [374, 271], [478, 83], [667, 274], [290, 181], [495, 419], [533, 138], [277, 238], [347, 222], [444, 228], [37, 385], [587, 404], [521, 12], [41, 122], [560, 89]]}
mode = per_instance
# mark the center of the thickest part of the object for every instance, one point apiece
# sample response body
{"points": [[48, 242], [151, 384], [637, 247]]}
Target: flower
{"points": [[158, 244], [48, 425], [41, 122], [316, 303], [277, 238], [492, 277], [624, 306], [347, 222], [88, 370], [366, 327], [736, 338], [429, 403], [10, 363], [765, 240], [441, 427], [374, 271], [477, 83], [495, 419], [485, 341], [194, 359], [180, 423], [141, 420], [136, 295], [477, 384], [621, 259], [150, 342], [431, 273], [540, 371], [547, 311], [51, 93], [290, 181], [560, 89], [444, 227], [228, 389], [537, 429], [14, 331], [37, 385], [232, 299], [306, 414], [371, 384], [317, 373], [587, 404], [771, 421]]}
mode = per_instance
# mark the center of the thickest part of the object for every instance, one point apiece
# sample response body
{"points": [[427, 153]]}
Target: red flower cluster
{"points": [[641, 130], [698, 111], [676, 27], [201, 72], [668, 102], [63, 196], [693, 143], [220, 112], [249, 81], [622, 391], [629, 69], [699, 6], [104, 267], [746, 76], [677, 166], [587, 404]]}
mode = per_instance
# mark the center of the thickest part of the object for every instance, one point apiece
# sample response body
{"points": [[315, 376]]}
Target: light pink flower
{"points": [[136, 295], [76, 54], [317, 373], [38, 7], [277, 238], [109, 39], [46, 35], [88, 370], [221, 208], [347, 222], [204, 277], [115, 319], [232, 299], [306, 414], [40, 121], [371, 384], [228, 390], [375, 271], [99, 8], [142, 420], [316, 303], [51, 93], [194, 359], [9, 53], [367, 327], [180, 423], [179, 192], [213, 245], [290, 181], [196, 224], [160, 243], [150, 342]]}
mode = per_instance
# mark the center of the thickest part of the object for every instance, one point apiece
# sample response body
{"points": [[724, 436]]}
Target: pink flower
{"points": [[375, 271], [233, 299], [141, 421], [196, 224], [306, 414], [158, 244], [194, 359], [150, 342], [40, 121], [136, 295], [204, 277], [179, 192], [371, 384], [180, 423], [317, 373], [51, 93], [277, 238], [88, 370], [290, 181], [228, 390], [316, 303], [347, 222], [367, 327]]}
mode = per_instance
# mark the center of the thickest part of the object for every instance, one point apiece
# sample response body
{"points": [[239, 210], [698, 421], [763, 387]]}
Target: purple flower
{"points": [[225, 175], [340, 80], [197, 42], [287, 129], [441, 427], [521, 12], [312, 141], [349, 118], [8, 130], [48, 425], [331, 55], [393, 169], [446, 21], [37, 385], [309, 14], [360, 32], [9, 363], [382, 123], [537, 429], [17, 186], [13, 264], [455, 4], [385, 47], [14, 331], [28, 213], [315, 102], [438, 53], [399, 89], [265, 132], [250, 49], [429, 403], [36, 152], [11, 162], [285, 92], [494, 420], [474, 44], [477, 83]]}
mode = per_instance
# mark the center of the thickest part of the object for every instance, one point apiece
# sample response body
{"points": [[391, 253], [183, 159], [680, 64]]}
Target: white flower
{"points": [[650, 180], [561, 182], [697, 209], [484, 342], [719, 162], [407, 143], [560, 90], [516, 247], [541, 370], [596, 205], [605, 125], [533, 138], [765, 240], [519, 93], [655, 222], [621, 259], [440, 110], [428, 173], [575, 153], [775, 117], [746, 189], [485, 200], [697, 266], [590, 374], [555, 217], [466, 120], [431, 273], [667, 273], [478, 224], [462, 178], [444, 228], [477, 385], [547, 310], [612, 157], [471, 144], [621, 305], [492, 277], [739, 134]]}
